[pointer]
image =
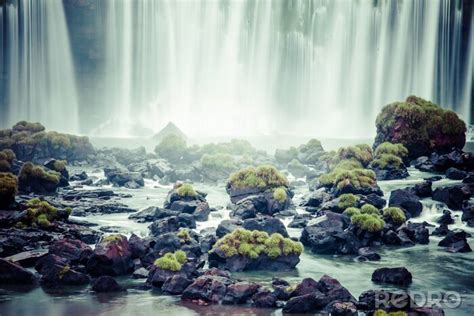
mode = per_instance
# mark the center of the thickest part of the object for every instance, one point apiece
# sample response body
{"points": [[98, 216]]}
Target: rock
{"points": [[452, 196], [306, 303], [391, 173], [398, 276], [456, 241], [416, 232], [208, 288], [391, 238], [176, 285], [316, 198], [146, 215], [27, 258], [423, 190], [121, 177], [79, 176], [327, 235], [373, 199], [407, 200], [367, 254], [442, 230], [106, 284], [340, 308], [445, 218], [264, 299], [111, 257], [138, 246], [240, 292], [307, 286], [244, 209], [73, 250], [172, 224], [268, 224], [140, 273], [13, 274], [424, 163], [455, 174], [227, 226], [300, 221], [468, 213], [55, 271], [262, 262]]}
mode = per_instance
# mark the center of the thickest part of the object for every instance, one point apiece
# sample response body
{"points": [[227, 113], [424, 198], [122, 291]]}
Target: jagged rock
{"points": [[208, 288], [264, 299], [306, 303], [423, 190], [73, 250], [300, 221], [121, 177], [240, 292], [176, 284], [140, 273], [445, 218], [399, 276]]}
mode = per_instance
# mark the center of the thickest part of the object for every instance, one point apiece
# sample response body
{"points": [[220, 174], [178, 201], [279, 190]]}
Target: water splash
{"points": [[40, 73]]}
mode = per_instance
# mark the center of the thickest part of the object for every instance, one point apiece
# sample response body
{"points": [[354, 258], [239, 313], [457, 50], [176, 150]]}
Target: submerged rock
{"points": [[106, 284]]}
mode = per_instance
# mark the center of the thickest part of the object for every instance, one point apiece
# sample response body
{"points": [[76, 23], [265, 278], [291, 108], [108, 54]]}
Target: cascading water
{"points": [[321, 67], [40, 83]]}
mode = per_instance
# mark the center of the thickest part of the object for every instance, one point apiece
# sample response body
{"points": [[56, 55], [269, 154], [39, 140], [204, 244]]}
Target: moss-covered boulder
{"points": [[33, 178], [389, 161], [172, 264], [183, 198], [112, 256], [255, 250], [421, 126], [308, 154], [216, 167], [31, 142], [41, 214], [8, 189], [7, 157]]}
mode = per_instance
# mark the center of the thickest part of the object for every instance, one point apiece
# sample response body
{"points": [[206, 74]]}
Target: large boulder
{"points": [[267, 224], [73, 250], [124, 178], [55, 271], [210, 287], [407, 200], [456, 241], [112, 256], [421, 126], [105, 284]]}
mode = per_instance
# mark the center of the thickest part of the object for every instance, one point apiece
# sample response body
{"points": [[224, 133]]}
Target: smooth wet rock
{"points": [[398, 276], [307, 286], [74, 250], [11, 273], [367, 254], [106, 284]]}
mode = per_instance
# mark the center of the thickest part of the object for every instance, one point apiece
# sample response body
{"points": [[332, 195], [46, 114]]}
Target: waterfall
{"points": [[321, 68], [40, 83], [316, 67]]}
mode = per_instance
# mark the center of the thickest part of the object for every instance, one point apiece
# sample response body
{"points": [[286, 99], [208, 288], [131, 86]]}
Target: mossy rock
{"points": [[34, 178], [8, 189], [255, 250], [421, 126], [172, 148]]}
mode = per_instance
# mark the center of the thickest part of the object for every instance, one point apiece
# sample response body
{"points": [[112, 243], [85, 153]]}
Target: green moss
{"points": [[30, 172], [186, 190], [8, 189], [24, 126], [394, 214], [171, 261], [172, 148], [253, 243], [40, 213], [64, 271], [369, 209], [111, 238], [264, 176], [387, 160], [280, 195], [381, 312], [184, 234], [60, 165], [392, 149], [68, 210], [347, 200], [348, 172], [368, 222], [421, 125], [351, 211], [8, 155], [224, 164], [361, 153]]}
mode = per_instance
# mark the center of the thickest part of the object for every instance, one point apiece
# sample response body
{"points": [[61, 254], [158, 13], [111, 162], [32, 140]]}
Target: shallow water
{"points": [[433, 269]]}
